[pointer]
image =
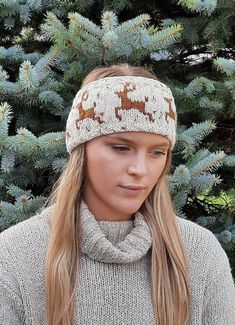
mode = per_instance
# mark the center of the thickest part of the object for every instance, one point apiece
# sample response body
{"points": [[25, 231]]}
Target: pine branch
{"points": [[84, 24], [205, 7], [16, 191], [28, 77], [52, 142], [54, 30], [7, 162], [51, 97], [209, 164], [5, 118], [194, 135], [195, 87], [84, 39], [129, 25], [109, 21], [225, 65], [203, 181], [165, 37]]}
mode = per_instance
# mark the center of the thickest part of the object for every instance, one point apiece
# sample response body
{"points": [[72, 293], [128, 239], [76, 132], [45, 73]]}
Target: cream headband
{"points": [[121, 104]]}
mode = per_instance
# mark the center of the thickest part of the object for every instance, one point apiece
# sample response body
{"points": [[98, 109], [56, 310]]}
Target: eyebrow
{"points": [[159, 144]]}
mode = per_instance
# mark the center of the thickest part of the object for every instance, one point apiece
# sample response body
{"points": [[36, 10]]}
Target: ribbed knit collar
{"points": [[114, 241]]}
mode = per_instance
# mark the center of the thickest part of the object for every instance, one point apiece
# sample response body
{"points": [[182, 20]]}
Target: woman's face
{"points": [[120, 160]]}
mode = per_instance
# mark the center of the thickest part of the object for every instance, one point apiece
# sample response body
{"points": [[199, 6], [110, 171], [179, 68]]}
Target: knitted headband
{"points": [[121, 104]]}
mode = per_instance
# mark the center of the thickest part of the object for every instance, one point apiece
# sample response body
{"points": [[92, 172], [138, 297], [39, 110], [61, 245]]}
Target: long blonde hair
{"points": [[169, 270]]}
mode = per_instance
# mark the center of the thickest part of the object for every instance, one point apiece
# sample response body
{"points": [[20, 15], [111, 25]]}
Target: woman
{"points": [[108, 248]]}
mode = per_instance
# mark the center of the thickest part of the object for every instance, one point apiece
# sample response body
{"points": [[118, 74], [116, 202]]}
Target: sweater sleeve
{"points": [[219, 298], [11, 304], [11, 309]]}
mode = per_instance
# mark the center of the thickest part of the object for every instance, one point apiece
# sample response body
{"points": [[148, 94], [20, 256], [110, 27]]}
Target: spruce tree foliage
{"points": [[49, 46]]}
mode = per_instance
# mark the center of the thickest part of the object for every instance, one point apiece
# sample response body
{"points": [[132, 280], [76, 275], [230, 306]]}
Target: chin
{"points": [[130, 207]]}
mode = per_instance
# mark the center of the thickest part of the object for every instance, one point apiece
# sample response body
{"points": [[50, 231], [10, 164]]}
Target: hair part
{"points": [[169, 267]]}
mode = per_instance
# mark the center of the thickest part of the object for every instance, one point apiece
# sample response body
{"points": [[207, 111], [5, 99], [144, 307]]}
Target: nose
{"points": [[138, 165]]}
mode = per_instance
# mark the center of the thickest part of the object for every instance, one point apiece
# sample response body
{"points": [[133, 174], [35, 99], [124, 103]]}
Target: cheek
{"points": [[102, 168], [157, 170]]}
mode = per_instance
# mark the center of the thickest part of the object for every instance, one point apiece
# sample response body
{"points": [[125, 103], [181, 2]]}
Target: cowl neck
{"points": [[114, 241]]}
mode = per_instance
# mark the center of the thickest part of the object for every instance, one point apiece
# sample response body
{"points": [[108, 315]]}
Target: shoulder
{"points": [[202, 246], [196, 235], [25, 237], [27, 226], [192, 232]]}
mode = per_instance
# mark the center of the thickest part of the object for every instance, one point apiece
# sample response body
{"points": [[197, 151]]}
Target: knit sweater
{"points": [[114, 282]]}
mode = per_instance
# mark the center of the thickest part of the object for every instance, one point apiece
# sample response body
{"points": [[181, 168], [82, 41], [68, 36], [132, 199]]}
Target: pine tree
{"points": [[48, 47]]}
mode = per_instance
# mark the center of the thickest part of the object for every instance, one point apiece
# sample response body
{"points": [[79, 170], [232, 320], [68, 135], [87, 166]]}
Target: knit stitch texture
{"points": [[114, 284], [121, 104]]}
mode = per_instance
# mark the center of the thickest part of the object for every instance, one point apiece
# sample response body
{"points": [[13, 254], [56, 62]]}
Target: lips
{"points": [[133, 187]]}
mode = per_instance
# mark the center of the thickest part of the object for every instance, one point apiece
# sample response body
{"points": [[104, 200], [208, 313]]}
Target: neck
{"points": [[104, 213]]}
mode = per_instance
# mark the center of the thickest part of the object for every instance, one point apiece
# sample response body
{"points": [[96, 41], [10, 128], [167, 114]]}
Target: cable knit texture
{"points": [[114, 282]]}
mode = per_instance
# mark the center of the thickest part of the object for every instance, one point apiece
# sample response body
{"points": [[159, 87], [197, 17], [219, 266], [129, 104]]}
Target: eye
{"points": [[120, 148], [124, 149], [157, 153]]}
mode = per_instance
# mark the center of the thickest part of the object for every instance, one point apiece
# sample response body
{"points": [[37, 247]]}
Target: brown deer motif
{"points": [[88, 113], [170, 113], [127, 103]]}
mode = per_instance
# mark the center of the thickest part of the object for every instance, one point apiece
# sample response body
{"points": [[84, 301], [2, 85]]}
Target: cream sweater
{"points": [[114, 278]]}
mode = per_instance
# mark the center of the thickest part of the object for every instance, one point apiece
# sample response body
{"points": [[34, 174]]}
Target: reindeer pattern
{"points": [[126, 103]]}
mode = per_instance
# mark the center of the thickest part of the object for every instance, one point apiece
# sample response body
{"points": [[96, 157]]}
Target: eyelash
{"points": [[121, 147]]}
